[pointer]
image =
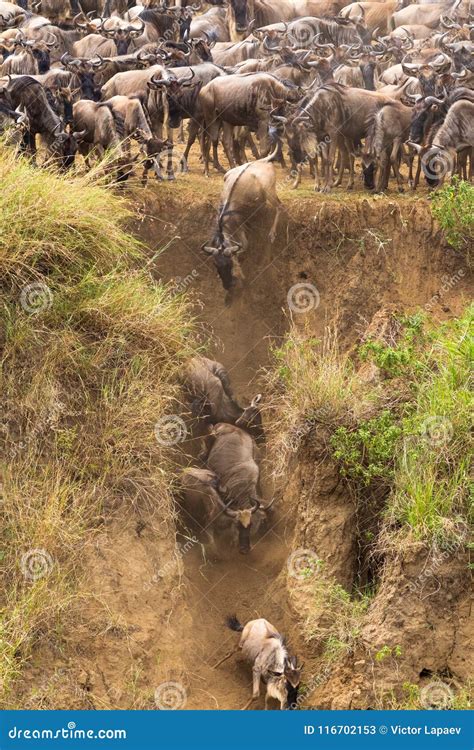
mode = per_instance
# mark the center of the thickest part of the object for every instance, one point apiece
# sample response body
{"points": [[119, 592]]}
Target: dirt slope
{"points": [[360, 254]]}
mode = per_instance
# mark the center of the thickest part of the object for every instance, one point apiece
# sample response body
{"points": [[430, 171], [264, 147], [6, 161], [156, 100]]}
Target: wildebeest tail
{"points": [[233, 623]]}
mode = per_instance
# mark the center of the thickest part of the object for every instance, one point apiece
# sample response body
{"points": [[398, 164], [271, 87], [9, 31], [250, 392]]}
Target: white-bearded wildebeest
{"points": [[244, 13], [25, 92], [202, 500], [132, 121], [241, 100], [455, 135], [248, 190], [212, 398], [230, 452], [180, 89], [264, 647]]}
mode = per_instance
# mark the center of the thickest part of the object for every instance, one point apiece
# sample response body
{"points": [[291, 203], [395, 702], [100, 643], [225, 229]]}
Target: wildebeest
{"points": [[456, 134], [230, 452], [264, 647], [27, 93], [241, 100], [248, 189], [202, 501], [212, 399]]}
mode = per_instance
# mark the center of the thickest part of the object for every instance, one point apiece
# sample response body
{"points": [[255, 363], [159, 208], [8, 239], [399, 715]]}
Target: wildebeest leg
{"points": [[227, 142], [395, 163], [297, 171], [169, 161], [257, 673], [272, 234], [213, 133], [253, 146], [263, 139], [418, 173], [193, 130]]}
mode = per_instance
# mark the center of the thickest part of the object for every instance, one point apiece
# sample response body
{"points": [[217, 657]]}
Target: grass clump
{"points": [[410, 433], [313, 383], [453, 207], [335, 619], [91, 348]]}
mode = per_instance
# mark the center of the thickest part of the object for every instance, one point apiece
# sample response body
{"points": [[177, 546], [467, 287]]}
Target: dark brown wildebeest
{"points": [[248, 190], [25, 92], [212, 398]]}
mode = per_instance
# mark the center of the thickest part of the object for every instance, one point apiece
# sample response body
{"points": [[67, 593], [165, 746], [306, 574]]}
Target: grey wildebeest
{"points": [[264, 647], [388, 131], [132, 121], [456, 134], [230, 452], [241, 100], [212, 398], [248, 189], [97, 130]]}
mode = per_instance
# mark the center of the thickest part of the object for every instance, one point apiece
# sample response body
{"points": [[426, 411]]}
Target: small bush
{"points": [[453, 207]]}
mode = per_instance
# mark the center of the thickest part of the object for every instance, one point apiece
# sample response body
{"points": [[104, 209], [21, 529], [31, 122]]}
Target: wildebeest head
{"points": [[243, 518], [225, 253], [251, 417], [243, 11], [292, 674], [64, 148]]}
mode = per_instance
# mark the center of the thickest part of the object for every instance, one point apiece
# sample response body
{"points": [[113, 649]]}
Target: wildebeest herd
{"points": [[387, 85]]}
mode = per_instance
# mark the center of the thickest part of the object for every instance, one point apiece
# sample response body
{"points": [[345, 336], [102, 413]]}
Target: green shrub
{"points": [[453, 207]]}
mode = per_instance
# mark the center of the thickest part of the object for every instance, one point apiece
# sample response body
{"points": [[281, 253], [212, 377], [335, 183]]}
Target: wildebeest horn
{"points": [[442, 61], [416, 146], [78, 135], [196, 7], [430, 100], [411, 67], [444, 22], [54, 42], [98, 64], [36, 7], [137, 30], [463, 74], [80, 25], [187, 80], [267, 506]]}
